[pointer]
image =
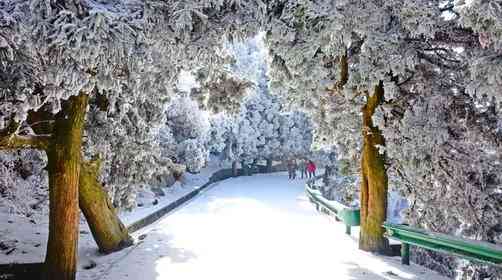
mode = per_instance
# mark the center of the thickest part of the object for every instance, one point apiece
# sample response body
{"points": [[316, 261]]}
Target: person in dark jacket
{"points": [[303, 168], [295, 167], [290, 169], [328, 170]]}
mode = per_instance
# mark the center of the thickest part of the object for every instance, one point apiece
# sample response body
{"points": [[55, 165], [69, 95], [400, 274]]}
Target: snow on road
{"points": [[259, 227]]}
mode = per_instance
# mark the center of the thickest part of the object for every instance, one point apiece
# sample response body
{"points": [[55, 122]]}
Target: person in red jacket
{"points": [[311, 169]]}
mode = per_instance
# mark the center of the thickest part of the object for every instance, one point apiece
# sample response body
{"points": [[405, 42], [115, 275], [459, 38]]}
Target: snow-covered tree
{"points": [[392, 61], [23, 182], [296, 135], [220, 92], [396, 60], [258, 130], [186, 133], [376, 48], [124, 136], [54, 56], [223, 132], [262, 131], [484, 60]]}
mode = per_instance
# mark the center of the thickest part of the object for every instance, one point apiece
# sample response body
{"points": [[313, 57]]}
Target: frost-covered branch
{"points": [[38, 142], [10, 139]]}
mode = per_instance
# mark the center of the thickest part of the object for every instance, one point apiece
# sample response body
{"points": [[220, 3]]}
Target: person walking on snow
{"points": [[290, 169], [295, 166], [311, 169], [303, 168]]}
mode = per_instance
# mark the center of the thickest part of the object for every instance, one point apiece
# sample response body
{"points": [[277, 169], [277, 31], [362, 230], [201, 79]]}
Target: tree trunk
{"points": [[235, 171], [373, 180], [107, 229], [64, 156], [269, 165]]}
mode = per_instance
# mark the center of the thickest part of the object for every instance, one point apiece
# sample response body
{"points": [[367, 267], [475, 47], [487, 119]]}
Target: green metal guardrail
{"points": [[473, 250], [348, 215]]}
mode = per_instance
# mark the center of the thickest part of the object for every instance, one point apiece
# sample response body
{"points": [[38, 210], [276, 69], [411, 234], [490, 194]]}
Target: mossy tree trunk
{"points": [[108, 231], [70, 180], [64, 160], [373, 180], [373, 172]]}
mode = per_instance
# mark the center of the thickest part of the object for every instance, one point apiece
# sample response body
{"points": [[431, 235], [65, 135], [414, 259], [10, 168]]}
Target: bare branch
{"points": [[11, 142]]}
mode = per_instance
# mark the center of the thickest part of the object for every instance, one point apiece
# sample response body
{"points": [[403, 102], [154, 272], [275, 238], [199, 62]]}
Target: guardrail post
{"points": [[347, 229], [405, 254]]}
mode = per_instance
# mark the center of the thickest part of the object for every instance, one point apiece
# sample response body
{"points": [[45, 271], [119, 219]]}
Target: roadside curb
{"points": [[217, 176]]}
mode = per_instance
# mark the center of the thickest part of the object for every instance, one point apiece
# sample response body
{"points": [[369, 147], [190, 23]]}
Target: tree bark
{"points": [[344, 71], [373, 180], [64, 159], [343, 64], [108, 231]]}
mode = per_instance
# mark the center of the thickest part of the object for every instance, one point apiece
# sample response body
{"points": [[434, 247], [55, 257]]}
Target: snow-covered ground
{"points": [[258, 227], [25, 238]]}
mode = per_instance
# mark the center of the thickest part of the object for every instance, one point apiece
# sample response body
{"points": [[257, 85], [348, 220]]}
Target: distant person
{"points": [[328, 170], [295, 167], [311, 169], [303, 168]]}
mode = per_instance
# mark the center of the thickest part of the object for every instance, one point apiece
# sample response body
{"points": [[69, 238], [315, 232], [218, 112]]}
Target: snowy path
{"points": [[259, 227]]}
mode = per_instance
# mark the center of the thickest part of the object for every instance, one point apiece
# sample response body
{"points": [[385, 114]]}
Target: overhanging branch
{"points": [[38, 142]]}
